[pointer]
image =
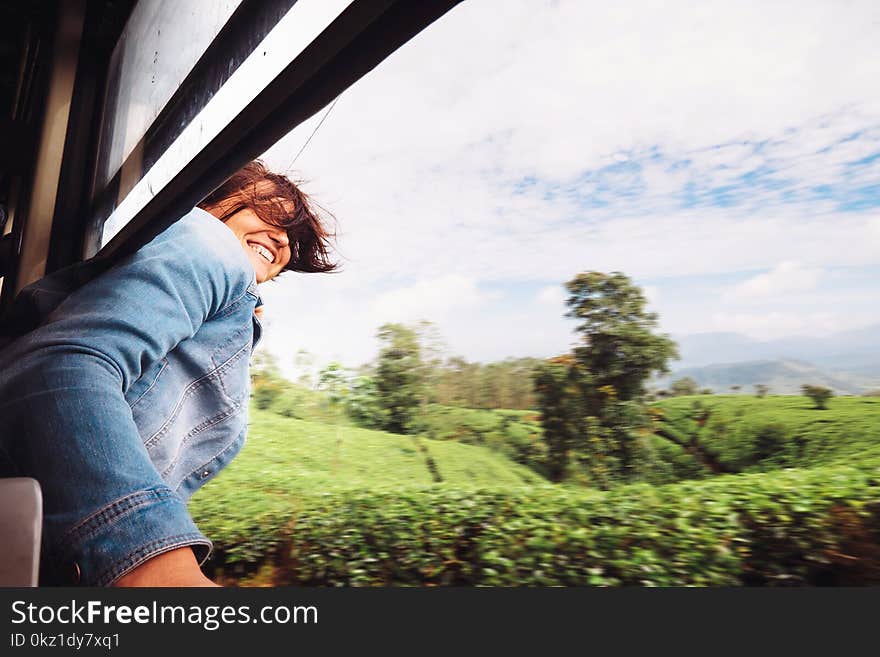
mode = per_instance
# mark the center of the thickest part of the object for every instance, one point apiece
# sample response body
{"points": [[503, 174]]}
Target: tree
{"points": [[398, 379], [431, 350], [557, 388], [619, 347], [266, 381], [590, 400], [333, 380], [264, 367], [761, 390], [304, 361], [683, 387], [362, 403], [819, 394], [735, 389]]}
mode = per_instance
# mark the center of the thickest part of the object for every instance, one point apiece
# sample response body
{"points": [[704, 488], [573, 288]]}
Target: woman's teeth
{"points": [[263, 251]]}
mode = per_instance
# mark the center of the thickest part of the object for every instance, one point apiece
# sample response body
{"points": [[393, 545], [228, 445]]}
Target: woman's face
{"points": [[266, 245]]}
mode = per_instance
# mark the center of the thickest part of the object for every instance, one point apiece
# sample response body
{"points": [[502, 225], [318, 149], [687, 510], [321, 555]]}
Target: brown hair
{"points": [[278, 201]]}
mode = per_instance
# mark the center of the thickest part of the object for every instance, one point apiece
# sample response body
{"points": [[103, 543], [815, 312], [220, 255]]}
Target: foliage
{"points": [[797, 527], [761, 390], [399, 377], [504, 384], [515, 434], [558, 390], [619, 347], [362, 403], [333, 381], [267, 383], [684, 386], [819, 394], [742, 434], [265, 394], [590, 400]]}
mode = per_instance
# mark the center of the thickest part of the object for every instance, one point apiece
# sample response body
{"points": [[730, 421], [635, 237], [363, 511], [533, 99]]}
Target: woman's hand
{"points": [[173, 568]]}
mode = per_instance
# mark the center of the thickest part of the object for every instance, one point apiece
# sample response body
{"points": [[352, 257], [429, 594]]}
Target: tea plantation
{"points": [[749, 492]]}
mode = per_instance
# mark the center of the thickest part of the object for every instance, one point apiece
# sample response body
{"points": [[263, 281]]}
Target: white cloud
{"points": [[652, 294], [769, 326], [431, 299], [421, 159], [789, 276], [551, 295]]}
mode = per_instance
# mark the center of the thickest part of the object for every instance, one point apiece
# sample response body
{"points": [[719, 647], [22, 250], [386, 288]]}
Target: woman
{"points": [[132, 390]]}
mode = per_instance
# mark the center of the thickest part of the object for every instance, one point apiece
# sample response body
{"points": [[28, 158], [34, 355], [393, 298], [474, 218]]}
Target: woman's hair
{"points": [[278, 201]]}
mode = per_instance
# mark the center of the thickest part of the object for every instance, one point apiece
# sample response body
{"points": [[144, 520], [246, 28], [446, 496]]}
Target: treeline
{"points": [[505, 384], [590, 418], [410, 373], [591, 403]]}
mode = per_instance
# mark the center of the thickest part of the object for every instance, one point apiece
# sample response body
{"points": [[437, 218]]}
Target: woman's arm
{"points": [[107, 510]]}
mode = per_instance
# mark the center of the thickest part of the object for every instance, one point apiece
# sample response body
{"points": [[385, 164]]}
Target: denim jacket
{"points": [[129, 395]]}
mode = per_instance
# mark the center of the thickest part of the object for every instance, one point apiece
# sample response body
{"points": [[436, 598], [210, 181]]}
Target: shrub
{"points": [[819, 394], [683, 387], [803, 527], [265, 393]]}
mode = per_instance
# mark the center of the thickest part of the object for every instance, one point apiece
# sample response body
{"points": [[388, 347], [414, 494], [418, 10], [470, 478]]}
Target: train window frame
{"points": [[73, 208]]}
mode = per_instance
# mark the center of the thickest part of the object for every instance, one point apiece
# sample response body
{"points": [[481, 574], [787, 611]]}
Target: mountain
{"points": [[855, 352], [783, 377]]}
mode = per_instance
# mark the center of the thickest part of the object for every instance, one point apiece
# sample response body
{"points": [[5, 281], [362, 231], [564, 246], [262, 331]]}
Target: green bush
{"points": [[748, 434], [796, 527], [264, 394], [290, 404]]}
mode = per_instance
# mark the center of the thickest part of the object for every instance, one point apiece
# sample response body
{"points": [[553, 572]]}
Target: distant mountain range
{"points": [[783, 377], [847, 362]]}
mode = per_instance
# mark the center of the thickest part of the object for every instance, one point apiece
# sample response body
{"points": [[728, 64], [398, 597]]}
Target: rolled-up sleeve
{"points": [[65, 418]]}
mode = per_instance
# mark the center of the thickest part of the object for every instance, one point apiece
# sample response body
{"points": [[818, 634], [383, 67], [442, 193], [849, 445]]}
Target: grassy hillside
{"points": [[289, 457], [314, 504], [742, 433]]}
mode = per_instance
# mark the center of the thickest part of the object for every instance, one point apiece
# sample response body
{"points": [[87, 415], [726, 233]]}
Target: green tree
{"points": [[399, 377], [333, 380], [590, 401], [619, 346], [362, 403], [684, 386], [761, 390], [819, 394], [267, 384], [264, 367], [558, 392], [431, 349], [304, 361]]}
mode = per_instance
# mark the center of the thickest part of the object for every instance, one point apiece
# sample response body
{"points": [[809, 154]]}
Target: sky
{"points": [[725, 156]]}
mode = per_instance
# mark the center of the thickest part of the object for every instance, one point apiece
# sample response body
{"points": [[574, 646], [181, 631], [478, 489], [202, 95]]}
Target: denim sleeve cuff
{"points": [[110, 542]]}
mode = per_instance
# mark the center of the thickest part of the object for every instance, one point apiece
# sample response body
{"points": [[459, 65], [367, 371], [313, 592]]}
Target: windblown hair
{"points": [[278, 201]]}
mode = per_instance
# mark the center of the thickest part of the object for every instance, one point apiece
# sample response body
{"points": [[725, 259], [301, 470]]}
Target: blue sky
{"points": [[724, 155]]}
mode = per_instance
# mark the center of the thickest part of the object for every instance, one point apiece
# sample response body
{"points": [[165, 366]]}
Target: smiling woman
{"points": [[274, 220], [128, 390]]}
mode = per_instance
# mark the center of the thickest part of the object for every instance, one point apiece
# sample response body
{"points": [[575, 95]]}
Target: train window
{"points": [[161, 103], [159, 47]]}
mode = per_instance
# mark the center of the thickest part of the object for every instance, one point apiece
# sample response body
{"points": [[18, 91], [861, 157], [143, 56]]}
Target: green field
{"points": [[748, 434], [310, 503]]}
